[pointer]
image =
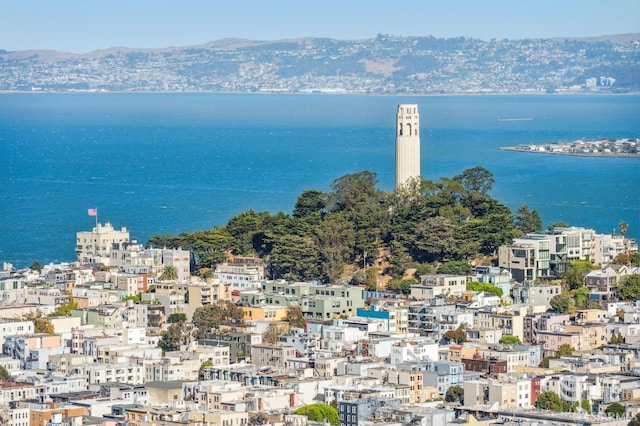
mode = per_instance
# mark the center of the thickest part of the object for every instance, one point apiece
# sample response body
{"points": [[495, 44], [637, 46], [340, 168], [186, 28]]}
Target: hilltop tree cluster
{"points": [[426, 222]]}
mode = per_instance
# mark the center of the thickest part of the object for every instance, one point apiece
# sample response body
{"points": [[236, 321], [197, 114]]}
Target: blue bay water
{"points": [[171, 163]]}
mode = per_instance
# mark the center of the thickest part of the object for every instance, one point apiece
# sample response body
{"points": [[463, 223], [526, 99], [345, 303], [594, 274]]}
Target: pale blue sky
{"points": [[85, 25]]}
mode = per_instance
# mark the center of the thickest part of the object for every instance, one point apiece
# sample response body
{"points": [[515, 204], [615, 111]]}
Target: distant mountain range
{"points": [[382, 65]]}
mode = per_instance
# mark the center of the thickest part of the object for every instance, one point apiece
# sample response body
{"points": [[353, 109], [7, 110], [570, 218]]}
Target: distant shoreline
{"points": [[526, 150]]}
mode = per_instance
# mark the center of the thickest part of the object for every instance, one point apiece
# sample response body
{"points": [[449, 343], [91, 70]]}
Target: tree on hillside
{"points": [[527, 220], [573, 279], [628, 287], [294, 258], [311, 206], [319, 413], [455, 267], [216, 315], [336, 239], [562, 303], [476, 179]]}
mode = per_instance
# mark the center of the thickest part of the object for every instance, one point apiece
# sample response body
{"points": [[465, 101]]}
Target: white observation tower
{"points": [[407, 144]]}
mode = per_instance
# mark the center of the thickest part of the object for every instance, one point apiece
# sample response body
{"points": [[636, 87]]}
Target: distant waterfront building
{"points": [[407, 144]]}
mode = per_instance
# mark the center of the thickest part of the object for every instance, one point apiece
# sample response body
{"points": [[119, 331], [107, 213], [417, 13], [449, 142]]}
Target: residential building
{"points": [[95, 246]]}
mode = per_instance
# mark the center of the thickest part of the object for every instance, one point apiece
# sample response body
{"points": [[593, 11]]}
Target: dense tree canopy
{"points": [[509, 339], [454, 394], [551, 401], [319, 413], [210, 317], [452, 220], [528, 221], [486, 287], [629, 287]]}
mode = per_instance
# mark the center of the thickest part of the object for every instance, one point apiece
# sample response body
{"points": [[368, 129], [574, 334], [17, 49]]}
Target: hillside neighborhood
{"points": [[385, 64], [127, 335]]}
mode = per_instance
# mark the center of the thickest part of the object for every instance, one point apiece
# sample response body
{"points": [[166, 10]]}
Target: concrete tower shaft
{"points": [[407, 144]]}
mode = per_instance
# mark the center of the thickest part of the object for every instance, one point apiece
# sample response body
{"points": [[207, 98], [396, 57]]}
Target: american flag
{"points": [[92, 212]]}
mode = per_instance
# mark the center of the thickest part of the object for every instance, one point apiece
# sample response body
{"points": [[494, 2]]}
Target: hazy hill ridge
{"points": [[381, 65]]}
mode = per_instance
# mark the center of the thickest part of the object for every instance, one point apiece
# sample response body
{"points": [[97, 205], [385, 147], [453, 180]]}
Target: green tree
{"points": [[172, 338], [216, 315], [434, 238], [319, 413], [372, 279], [634, 259], [295, 317], [177, 317], [476, 179], [565, 350], [562, 303], [527, 220], [585, 404], [311, 205], [615, 409], [455, 267], [4, 374], [574, 278], [294, 258], [509, 339], [36, 266], [169, 273], [550, 401], [454, 394], [335, 239], [581, 298], [555, 225], [405, 285], [628, 287], [486, 287]]}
